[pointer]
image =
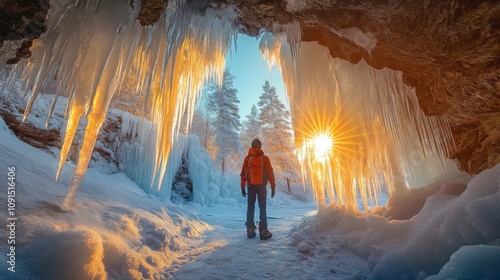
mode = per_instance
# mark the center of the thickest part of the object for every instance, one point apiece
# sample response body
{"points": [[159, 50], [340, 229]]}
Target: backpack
{"points": [[255, 170]]}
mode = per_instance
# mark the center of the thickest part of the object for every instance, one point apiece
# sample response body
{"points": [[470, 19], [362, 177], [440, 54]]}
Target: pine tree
{"points": [[273, 113], [277, 133], [223, 105], [251, 127]]}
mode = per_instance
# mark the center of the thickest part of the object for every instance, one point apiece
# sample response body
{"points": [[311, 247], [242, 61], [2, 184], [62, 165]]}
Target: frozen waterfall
{"points": [[376, 135], [92, 47]]}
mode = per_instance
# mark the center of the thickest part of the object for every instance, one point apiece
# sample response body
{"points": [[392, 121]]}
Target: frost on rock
{"points": [[295, 5], [92, 47], [365, 40], [379, 138]]}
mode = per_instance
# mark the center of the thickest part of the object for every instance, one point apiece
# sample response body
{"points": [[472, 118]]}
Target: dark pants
{"points": [[257, 192]]}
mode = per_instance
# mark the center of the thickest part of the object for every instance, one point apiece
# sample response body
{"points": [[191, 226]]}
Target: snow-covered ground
{"points": [[276, 258]]}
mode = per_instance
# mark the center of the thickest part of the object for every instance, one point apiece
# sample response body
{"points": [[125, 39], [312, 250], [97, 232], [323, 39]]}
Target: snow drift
{"points": [[448, 232]]}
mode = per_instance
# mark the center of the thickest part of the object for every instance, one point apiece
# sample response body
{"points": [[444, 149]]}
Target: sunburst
{"points": [[331, 145]]}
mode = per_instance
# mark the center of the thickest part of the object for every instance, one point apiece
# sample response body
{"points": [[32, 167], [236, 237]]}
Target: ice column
{"points": [[137, 151]]}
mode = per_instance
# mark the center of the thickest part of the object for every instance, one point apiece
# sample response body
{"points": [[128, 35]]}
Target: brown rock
{"points": [[151, 10], [22, 20], [39, 138]]}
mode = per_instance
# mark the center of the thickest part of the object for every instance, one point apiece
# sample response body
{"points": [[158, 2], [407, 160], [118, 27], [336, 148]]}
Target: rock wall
{"points": [[21, 21], [448, 50]]}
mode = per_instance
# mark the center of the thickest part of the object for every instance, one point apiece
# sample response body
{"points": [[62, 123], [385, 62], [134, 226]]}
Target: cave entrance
{"points": [[373, 134], [358, 131]]}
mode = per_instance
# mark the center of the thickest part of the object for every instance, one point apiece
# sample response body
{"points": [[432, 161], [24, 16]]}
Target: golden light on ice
{"points": [[327, 142], [372, 118]]}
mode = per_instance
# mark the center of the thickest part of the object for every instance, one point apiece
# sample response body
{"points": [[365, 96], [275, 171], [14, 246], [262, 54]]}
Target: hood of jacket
{"points": [[255, 152]]}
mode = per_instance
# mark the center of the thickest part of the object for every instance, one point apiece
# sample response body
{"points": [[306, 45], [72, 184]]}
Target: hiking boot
{"points": [[251, 233], [265, 234]]}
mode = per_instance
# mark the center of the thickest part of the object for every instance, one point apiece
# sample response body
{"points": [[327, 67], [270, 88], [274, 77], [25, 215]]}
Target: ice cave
{"points": [[394, 109]]}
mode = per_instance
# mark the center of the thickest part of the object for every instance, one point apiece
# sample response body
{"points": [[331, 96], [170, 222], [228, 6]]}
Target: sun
{"points": [[322, 145]]}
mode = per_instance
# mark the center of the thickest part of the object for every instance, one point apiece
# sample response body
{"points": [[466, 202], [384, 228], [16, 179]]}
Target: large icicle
{"points": [[374, 132], [93, 46]]}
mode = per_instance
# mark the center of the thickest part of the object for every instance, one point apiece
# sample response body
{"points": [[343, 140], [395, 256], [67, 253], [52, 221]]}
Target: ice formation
{"points": [[136, 154], [90, 49], [137, 149], [380, 138], [295, 5], [93, 49], [365, 40]]}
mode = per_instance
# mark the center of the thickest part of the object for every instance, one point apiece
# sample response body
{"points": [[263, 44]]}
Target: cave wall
{"points": [[448, 50], [21, 21]]}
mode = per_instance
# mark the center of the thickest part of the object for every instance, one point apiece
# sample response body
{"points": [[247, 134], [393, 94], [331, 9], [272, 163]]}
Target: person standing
{"points": [[256, 172]]}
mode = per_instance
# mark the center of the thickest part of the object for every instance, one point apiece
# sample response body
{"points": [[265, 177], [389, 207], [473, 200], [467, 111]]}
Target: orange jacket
{"points": [[268, 169]]}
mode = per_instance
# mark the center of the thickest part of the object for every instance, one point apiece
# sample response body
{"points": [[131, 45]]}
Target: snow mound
{"points": [[472, 262], [72, 254], [4, 128], [422, 246]]}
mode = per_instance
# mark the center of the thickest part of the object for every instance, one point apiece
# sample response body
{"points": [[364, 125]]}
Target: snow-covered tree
{"points": [[223, 107], [252, 127], [128, 99], [277, 133], [273, 113], [202, 127]]}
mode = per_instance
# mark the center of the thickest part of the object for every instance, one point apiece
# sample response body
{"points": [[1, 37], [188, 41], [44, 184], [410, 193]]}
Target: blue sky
{"points": [[251, 71]]}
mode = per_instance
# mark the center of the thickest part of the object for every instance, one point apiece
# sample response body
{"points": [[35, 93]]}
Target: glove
{"points": [[273, 192], [243, 192]]}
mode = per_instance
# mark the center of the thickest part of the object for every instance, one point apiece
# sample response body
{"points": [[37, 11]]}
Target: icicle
{"points": [[379, 136], [92, 47], [74, 116], [293, 37]]}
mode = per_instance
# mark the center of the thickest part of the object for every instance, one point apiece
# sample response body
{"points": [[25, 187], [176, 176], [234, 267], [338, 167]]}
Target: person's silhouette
{"points": [[256, 172]]}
